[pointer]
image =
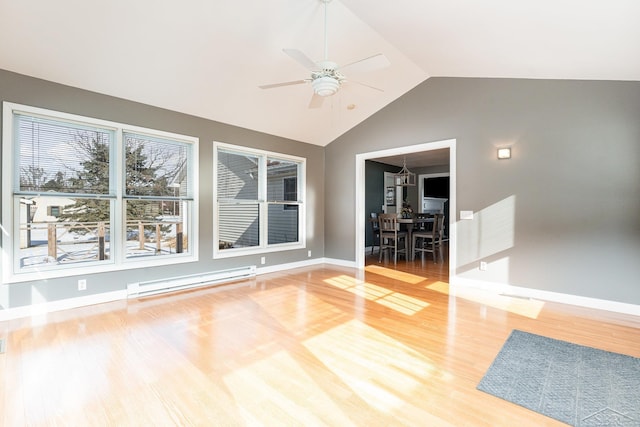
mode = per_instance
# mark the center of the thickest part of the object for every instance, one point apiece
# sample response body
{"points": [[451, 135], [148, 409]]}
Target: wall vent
{"points": [[154, 287]]}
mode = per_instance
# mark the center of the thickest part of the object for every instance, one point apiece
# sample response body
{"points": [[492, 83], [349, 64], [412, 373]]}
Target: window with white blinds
{"points": [[157, 167], [62, 157], [88, 193], [259, 202]]}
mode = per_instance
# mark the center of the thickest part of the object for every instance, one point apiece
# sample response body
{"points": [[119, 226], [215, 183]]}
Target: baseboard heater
{"points": [[154, 287]]}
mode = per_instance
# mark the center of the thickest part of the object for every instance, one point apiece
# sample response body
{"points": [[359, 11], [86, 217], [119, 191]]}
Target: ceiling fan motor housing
{"points": [[327, 81]]}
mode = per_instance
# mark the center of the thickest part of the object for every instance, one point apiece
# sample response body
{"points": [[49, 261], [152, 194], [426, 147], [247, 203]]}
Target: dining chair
{"points": [[429, 241], [390, 236], [423, 225], [375, 228]]}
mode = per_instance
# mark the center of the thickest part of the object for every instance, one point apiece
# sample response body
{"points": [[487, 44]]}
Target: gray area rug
{"points": [[578, 385]]}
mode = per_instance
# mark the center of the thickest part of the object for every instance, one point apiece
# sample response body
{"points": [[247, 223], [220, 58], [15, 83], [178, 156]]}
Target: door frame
{"points": [[360, 213], [397, 192], [421, 179]]}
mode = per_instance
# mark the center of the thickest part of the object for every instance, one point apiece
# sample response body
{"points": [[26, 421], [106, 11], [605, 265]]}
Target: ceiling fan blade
{"points": [[316, 101], [274, 85], [366, 85], [371, 63], [302, 59]]}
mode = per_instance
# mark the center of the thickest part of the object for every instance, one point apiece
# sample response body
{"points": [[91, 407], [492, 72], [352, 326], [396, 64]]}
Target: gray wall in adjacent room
{"points": [[374, 194], [563, 215], [39, 93]]}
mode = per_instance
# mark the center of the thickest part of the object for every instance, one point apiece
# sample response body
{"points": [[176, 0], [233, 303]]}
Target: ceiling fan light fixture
{"points": [[325, 86]]}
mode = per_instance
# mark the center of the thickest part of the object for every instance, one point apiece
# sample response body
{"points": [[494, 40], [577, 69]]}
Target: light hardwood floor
{"points": [[317, 346]]}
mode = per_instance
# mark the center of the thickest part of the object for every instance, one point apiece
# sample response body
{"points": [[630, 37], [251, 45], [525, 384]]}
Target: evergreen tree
{"points": [[145, 175], [91, 178]]}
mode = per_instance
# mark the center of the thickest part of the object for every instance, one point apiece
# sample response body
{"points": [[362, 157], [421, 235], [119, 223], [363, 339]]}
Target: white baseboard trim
{"points": [[340, 262], [63, 304], [69, 303], [454, 281], [291, 265], [517, 291], [306, 263]]}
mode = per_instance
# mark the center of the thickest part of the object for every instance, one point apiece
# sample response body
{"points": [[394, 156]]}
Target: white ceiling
{"points": [[207, 58]]}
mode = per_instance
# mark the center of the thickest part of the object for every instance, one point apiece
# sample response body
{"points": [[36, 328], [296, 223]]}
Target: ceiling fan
{"points": [[326, 76]]}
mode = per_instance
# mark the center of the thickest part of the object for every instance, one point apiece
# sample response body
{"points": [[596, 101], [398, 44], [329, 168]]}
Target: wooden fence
{"points": [[97, 234]]}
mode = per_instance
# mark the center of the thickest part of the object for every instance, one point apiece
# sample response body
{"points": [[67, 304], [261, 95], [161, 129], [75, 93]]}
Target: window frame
{"points": [[53, 211], [118, 254], [263, 202]]}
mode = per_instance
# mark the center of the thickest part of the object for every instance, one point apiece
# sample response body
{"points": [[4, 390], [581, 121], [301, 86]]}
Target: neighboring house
{"points": [[39, 210], [240, 227], [48, 209]]}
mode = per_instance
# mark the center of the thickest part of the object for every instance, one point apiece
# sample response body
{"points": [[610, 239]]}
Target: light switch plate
{"points": [[466, 214]]}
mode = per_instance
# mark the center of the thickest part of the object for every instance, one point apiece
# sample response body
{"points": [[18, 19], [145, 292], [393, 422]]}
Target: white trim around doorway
{"points": [[360, 194]]}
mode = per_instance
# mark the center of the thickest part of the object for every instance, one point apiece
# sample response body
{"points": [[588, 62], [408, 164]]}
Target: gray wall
{"points": [[563, 215], [25, 90]]}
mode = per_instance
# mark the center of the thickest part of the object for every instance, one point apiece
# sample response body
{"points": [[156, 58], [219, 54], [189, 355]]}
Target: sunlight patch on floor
{"points": [[395, 274], [524, 307], [442, 287], [377, 367], [277, 389], [394, 300]]}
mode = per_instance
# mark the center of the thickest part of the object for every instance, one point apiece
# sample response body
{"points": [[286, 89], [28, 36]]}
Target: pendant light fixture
{"points": [[404, 177]]}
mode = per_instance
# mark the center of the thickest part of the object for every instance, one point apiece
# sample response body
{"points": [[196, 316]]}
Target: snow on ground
{"points": [[74, 247]]}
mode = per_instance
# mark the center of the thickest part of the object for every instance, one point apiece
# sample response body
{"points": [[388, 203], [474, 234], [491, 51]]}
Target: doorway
{"points": [[361, 215], [392, 194], [433, 193]]}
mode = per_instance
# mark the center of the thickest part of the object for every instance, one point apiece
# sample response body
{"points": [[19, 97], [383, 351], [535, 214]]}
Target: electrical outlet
{"points": [[263, 260], [309, 254], [483, 266], [82, 284]]}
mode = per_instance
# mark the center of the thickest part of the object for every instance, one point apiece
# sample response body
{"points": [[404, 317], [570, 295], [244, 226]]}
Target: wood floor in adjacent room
{"points": [[317, 346]]}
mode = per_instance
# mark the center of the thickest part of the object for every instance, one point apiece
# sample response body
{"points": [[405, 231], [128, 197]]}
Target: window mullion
{"points": [[263, 203], [117, 172]]}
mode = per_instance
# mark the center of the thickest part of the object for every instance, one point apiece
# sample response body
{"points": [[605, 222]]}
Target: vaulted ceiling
{"points": [[207, 58]]}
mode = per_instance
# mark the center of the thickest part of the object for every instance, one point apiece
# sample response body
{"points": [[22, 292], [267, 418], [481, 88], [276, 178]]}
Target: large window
{"points": [[86, 193], [259, 201]]}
